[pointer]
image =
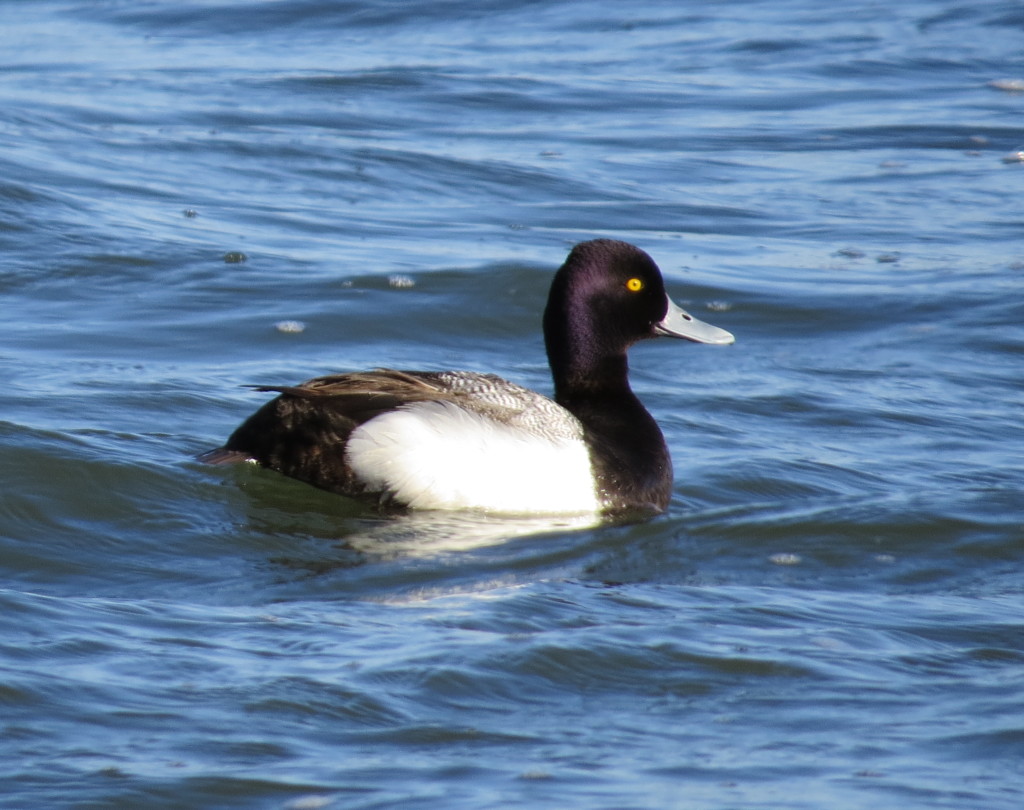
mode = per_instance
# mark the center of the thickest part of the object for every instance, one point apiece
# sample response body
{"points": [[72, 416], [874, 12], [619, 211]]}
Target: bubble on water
{"points": [[1008, 85], [309, 803], [784, 558], [400, 282], [290, 327]]}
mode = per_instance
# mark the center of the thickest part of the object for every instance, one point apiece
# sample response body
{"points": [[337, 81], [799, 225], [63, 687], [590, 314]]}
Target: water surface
{"points": [[829, 614]]}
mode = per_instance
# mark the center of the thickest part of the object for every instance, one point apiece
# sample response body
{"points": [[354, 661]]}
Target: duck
{"points": [[462, 440]]}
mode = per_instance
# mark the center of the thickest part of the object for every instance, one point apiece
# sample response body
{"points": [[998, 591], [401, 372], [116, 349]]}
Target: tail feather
{"points": [[222, 455]]}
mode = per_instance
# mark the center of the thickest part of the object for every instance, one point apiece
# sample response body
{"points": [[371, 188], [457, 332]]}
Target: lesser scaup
{"points": [[464, 440]]}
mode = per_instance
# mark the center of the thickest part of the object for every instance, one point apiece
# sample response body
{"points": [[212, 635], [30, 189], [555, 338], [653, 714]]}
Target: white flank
{"points": [[436, 455]]}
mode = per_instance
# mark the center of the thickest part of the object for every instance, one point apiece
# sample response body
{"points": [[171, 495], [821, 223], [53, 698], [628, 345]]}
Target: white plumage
{"points": [[437, 455]]}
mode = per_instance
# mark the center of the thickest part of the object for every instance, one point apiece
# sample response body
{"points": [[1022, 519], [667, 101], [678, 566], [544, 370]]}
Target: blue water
{"points": [[829, 615]]}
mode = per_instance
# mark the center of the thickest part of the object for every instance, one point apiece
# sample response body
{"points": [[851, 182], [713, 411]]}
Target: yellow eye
{"points": [[634, 285]]}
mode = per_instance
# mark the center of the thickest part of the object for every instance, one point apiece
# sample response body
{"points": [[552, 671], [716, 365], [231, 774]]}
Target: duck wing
{"points": [[302, 432], [357, 397]]}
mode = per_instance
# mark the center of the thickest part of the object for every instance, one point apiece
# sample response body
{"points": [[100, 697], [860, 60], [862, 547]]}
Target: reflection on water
{"points": [[427, 533]]}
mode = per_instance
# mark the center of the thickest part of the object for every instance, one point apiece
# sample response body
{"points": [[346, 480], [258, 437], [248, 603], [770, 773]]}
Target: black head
{"points": [[606, 297], [611, 284]]}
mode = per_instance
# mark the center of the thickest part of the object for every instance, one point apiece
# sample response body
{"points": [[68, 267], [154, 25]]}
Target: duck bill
{"points": [[679, 323]]}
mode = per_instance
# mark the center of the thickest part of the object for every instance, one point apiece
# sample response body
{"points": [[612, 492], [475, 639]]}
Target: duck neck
{"points": [[581, 364], [598, 378], [599, 395], [631, 461]]}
